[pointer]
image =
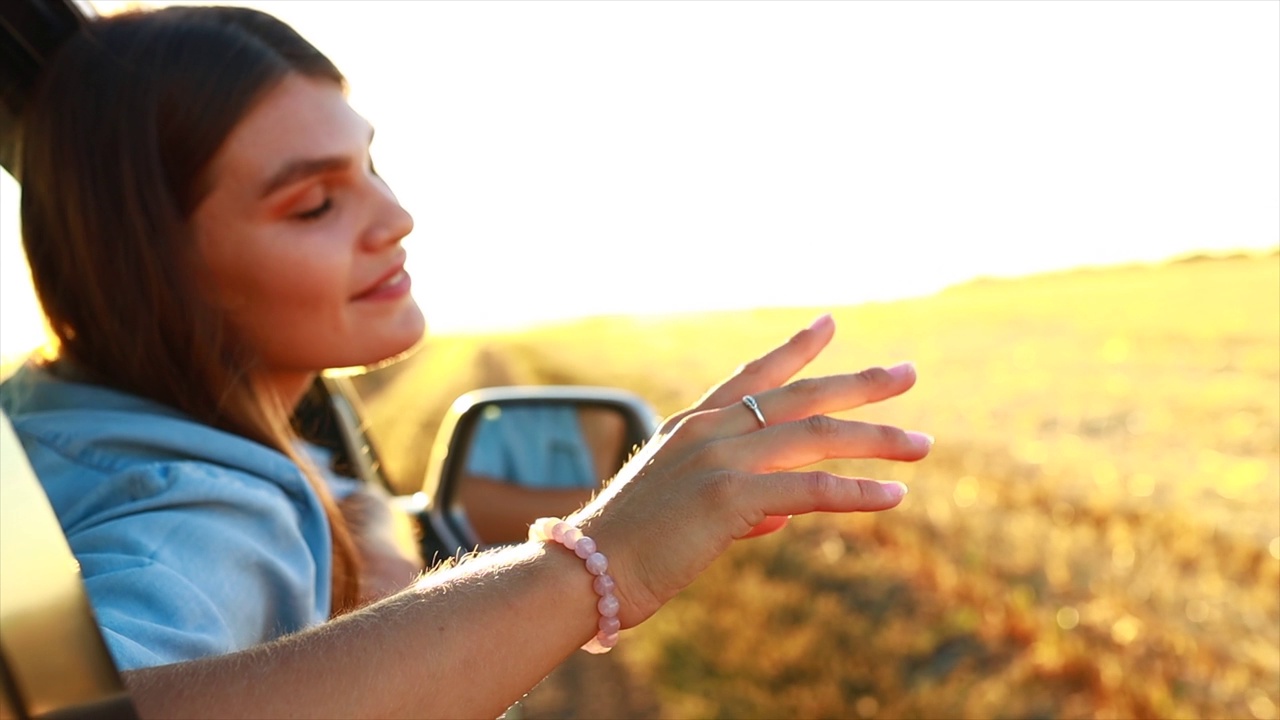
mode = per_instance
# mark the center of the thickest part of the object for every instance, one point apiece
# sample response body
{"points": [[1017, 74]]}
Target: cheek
{"points": [[294, 294], [289, 317], [279, 272], [274, 295]]}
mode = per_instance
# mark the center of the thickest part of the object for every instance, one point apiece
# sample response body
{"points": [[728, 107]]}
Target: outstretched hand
{"points": [[713, 474]]}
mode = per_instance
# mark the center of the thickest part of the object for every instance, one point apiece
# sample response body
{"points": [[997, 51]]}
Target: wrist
{"points": [[595, 568]]}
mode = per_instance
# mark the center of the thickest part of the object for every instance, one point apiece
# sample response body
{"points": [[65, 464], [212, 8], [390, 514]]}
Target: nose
{"points": [[389, 222]]}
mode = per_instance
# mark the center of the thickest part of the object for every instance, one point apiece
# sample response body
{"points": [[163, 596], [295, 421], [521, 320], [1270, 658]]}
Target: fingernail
{"points": [[920, 439], [901, 371], [895, 489], [821, 322]]}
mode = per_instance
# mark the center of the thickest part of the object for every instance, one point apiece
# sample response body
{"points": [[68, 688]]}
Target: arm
{"points": [[604, 430], [465, 642], [500, 512], [469, 641]]}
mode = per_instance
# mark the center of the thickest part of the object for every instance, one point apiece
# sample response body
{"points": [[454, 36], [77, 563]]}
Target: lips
{"points": [[392, 284]]}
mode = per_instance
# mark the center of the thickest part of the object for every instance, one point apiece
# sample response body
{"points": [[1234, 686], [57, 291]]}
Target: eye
{"points": [[316, 212]]}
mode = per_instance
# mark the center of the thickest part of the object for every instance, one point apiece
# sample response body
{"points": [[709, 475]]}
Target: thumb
{"points": [[771, 523]]}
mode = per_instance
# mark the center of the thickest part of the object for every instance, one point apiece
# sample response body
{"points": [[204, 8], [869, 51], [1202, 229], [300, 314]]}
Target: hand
{"points": [[712, 475]]}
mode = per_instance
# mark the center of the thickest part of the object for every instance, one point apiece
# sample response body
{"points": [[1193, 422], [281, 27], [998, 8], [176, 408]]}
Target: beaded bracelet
{"points": [[556, 530]]}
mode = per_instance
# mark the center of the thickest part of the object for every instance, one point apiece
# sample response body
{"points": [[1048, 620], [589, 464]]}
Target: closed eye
{"points": [[316, 212]]}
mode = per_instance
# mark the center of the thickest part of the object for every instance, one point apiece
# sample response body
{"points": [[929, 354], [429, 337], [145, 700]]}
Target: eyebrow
{"points": [[299, 169], [296, 170]]}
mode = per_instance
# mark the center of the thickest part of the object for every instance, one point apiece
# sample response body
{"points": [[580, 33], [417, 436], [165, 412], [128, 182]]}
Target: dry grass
{"points": [[1096, 534]]}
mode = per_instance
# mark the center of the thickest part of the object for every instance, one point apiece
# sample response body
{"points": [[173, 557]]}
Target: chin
{"points": [[390, 350], [394, 358]]}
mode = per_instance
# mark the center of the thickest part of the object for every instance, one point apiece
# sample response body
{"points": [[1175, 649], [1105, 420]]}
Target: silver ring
{"points": [[754, 407]]}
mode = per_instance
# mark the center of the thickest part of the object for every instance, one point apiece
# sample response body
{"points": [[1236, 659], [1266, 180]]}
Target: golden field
{"points": [[1096, 533]]}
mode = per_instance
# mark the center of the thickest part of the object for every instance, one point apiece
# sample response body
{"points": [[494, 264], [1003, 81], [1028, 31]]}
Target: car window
{"points": [[23, 327]]}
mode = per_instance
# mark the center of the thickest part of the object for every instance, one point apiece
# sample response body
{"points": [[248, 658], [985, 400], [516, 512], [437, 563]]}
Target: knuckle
{"points": [[819, 486], [806, 388], [889, 435], [671, 424], [874, 376], [696, 425], [676, 426], [821, 426], [712, 455], [716, 488], [755, 367]]}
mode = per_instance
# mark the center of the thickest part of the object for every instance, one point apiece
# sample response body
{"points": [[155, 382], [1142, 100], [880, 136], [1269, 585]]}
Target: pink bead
{"points": [[604, 584], [551, 529], [541, 528], [558, 530], [608, 606], [584, 547], [571, 537], [597, 564]]}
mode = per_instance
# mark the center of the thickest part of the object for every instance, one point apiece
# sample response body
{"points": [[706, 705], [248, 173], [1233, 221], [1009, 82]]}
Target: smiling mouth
{"points": [[394, 285]]}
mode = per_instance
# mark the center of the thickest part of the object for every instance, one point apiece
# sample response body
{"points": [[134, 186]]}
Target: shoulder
{"points": [[187, 559], [191, 541], [183, 560], [91, 445]]}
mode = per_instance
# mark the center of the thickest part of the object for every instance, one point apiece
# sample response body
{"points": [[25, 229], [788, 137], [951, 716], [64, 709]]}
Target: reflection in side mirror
{"points": [[526, 460], [517, 454]]}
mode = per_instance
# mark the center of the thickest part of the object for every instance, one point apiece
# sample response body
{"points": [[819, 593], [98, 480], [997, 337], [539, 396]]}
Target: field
{"points": [[1096, 533]]}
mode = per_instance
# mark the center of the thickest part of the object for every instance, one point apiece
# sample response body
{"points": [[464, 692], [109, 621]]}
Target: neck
{"points": [[288, 386]]}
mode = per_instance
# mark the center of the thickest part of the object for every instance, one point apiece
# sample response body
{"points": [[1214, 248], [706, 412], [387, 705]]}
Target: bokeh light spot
{"points": [[1261, 706], [1142, 485], [1126, 629], [1068, 618], [966, 492], [1197, 611]]}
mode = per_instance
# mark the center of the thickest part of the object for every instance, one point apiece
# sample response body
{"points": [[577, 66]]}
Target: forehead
{"points": [[300, 118]]}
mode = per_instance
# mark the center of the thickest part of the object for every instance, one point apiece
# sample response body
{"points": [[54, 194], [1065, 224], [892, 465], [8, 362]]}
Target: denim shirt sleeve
{"points": [[191, 541], [532, 446], [185, 560]]}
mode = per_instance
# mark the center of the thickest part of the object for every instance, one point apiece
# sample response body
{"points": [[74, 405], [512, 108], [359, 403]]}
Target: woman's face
{"points": [[301, 238]]}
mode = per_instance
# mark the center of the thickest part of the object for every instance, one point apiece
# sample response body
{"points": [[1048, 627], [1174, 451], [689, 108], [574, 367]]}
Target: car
{"points": [[53, 661]]}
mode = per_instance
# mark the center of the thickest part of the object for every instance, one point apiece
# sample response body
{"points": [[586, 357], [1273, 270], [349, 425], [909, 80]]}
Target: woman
{"points": [[206, 232]]}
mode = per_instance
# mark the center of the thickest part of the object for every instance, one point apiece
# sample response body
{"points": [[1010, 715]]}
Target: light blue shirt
{"points": [[191, 541], [534, 445]]}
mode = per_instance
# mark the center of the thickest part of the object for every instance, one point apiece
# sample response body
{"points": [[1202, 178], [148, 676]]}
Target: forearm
{"points": [[500, 511], [466, 642]]}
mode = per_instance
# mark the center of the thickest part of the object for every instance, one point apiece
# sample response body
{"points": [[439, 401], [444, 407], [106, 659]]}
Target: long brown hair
{"points": [[116, 145]]}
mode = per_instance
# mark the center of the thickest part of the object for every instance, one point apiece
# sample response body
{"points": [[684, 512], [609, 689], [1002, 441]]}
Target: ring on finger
{"points": [[754, 407]]}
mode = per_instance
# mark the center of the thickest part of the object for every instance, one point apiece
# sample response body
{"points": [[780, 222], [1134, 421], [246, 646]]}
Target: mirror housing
{"points": [[538, 407]]}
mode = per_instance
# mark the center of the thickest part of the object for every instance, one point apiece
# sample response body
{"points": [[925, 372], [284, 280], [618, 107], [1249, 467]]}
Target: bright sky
{"points": [[564, 159]]}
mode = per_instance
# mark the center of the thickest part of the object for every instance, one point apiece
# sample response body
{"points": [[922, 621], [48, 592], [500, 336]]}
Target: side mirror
{"points": [[506, 456]]}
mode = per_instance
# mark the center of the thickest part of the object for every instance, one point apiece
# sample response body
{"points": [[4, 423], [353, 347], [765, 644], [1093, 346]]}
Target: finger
{"points": [[815, 396], [814, 439], [773, 368], [817, 491]]}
